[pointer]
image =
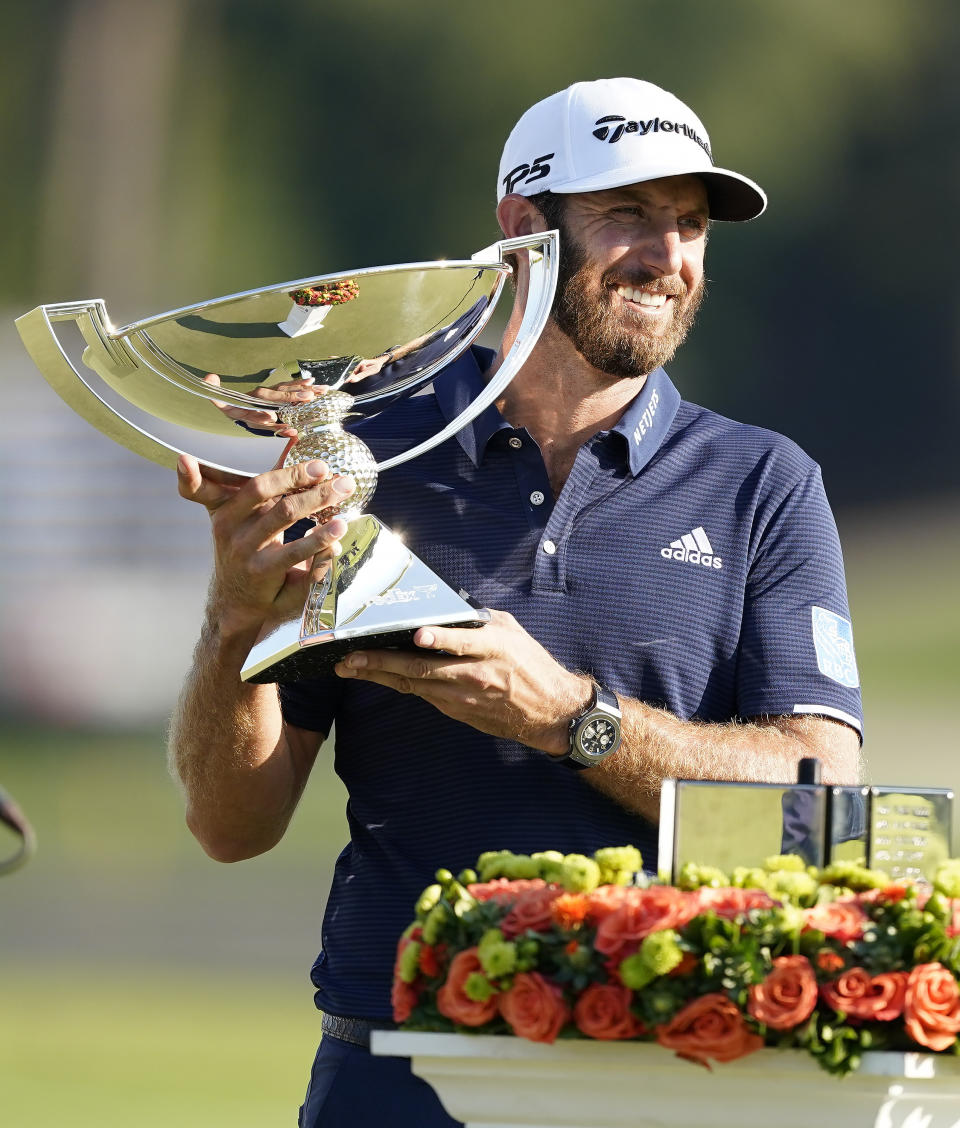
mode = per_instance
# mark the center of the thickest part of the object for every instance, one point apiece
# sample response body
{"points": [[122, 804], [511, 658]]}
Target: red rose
{"points": [[953, 928], [603, 1011], [709, 1027], [787, 996], [452, 1000], [731, 902], [643, 911], [840, 920], [861, 996], [534, 1007], [931, 1006], [531, 910]]}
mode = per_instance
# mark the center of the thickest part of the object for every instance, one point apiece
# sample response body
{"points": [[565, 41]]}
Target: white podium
{"points": [[488, 1081]]}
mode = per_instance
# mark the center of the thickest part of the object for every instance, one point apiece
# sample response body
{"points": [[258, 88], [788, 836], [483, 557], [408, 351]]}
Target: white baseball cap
{"points": [[613, 132]]}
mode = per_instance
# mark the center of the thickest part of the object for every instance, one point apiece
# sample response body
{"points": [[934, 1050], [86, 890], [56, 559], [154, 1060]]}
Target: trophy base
{"points": [[375, 595]]}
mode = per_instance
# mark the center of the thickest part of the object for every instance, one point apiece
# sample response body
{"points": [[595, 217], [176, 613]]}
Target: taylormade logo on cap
{"points": [[614, 132]]}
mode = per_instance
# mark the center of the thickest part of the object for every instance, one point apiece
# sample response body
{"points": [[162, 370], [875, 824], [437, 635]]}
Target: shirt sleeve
{"points": [[796, 653]]}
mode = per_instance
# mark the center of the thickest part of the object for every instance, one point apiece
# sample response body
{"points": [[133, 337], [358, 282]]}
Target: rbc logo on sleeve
{"points": [[833, 639]]}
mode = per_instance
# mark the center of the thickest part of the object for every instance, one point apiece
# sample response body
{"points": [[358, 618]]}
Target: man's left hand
{"points": [[497, 679]]}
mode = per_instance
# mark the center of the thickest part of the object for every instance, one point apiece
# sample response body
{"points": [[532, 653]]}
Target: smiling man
{"points": [[668, 588]]}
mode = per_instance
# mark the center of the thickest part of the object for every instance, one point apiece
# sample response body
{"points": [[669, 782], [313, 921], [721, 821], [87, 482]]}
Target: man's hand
{"points": [[497, 679], [258, 578], [289, 391]]}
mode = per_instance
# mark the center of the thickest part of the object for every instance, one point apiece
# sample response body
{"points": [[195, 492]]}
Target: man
{"points": [[645, 556]]}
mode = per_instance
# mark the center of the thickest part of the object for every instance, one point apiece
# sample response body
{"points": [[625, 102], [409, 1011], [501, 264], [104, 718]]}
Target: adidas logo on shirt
{"points": [[693, 548]]}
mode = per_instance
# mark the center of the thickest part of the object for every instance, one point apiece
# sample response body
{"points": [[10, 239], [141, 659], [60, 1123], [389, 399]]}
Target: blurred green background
{"points": [[157, 153]]}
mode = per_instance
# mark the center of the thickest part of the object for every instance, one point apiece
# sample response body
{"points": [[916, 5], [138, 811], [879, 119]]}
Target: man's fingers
{"points": [[286, 393], [192, 485]]}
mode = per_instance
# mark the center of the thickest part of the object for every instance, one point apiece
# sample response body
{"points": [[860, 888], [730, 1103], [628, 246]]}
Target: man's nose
{"points": [[661, 250]]}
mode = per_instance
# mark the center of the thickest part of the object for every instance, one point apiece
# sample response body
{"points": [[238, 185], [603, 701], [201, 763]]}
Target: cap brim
{"points": [[730, 196]]}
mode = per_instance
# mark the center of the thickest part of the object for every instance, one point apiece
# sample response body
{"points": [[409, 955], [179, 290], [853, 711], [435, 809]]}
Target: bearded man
{"points": [[668, 587]]}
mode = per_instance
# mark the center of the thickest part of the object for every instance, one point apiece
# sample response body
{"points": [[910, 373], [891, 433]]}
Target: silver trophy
{"points": [[381, 332]]}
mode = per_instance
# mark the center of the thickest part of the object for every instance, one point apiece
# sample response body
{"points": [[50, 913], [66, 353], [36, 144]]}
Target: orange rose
{"points": [[709, 1027], [642, 912], [531, 910], [840, 920], [859, 995], [452, 1000], [601, 902], [787, 996], [404, 997], [534, 1007], [731, 902], [603, 1011], [931, 1006], [503, 889]]}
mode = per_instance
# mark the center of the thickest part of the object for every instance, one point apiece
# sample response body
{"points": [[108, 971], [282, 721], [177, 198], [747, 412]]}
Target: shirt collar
{"points": [[644, 424], [458, 386], [647, 419]]}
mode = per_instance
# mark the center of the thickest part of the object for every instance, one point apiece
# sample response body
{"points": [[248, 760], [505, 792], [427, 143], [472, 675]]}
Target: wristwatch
{"points": [[595, 733]]}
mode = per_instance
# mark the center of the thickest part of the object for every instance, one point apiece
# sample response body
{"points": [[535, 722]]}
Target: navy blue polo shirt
{"points": [[690, 561]]}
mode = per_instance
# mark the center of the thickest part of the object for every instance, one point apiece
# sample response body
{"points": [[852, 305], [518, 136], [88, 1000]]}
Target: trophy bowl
{"points": [[351, 344]]}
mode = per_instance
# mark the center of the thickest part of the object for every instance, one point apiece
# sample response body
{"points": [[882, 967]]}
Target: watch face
{"points": [[599, 736]]}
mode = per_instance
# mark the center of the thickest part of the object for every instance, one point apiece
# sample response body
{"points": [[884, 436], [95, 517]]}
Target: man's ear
{"points": [[518, 216]]}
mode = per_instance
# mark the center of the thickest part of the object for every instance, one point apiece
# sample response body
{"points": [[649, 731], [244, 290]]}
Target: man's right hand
{"points": [[258, 578]]}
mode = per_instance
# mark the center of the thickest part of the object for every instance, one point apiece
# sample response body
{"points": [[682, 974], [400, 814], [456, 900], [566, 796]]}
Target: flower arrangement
{"points": [[329, 294], [835, 961]]}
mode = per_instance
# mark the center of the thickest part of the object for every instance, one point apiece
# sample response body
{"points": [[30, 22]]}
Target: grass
{"points": [[95, 1048]]}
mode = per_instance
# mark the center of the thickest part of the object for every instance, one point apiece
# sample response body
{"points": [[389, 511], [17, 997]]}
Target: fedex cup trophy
{"points": [[382, 332]]}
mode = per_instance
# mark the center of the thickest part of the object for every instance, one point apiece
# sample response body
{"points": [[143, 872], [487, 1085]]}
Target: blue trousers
{"points": [[351, 1088]]}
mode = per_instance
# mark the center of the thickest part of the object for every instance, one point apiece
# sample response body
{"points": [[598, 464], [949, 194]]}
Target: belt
{"points": [[357, 1031]]}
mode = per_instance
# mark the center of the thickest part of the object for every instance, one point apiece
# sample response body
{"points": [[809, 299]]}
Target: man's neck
{"points": [[561, 400]]}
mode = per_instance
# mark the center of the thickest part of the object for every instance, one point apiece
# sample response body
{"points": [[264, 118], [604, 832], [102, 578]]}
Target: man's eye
{"points": [[694, 224]]}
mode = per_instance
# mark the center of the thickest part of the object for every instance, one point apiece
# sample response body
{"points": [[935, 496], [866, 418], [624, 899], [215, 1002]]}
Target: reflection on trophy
{"points": [[228, 367]]}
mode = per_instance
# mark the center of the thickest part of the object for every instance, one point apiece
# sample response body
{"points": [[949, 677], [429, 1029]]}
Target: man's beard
{"points": [[583, 310]]}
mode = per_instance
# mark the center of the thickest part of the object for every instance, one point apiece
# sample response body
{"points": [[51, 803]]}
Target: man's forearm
{"points": [[657, 746], [228, 748]]}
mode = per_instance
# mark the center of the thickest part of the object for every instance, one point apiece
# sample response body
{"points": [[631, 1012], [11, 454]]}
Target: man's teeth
{"points": [[642, 297]]}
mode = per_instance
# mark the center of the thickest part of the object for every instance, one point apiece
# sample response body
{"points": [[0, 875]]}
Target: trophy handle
{"points": [[543, 286], [40, 338]]}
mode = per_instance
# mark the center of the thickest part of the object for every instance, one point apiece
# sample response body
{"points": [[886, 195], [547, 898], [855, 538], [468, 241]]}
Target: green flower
{"points": [[477, 987], [497, 955], [659, 954], [693, 876], [749, 877], [433, 925], [409, 964], [790, 863], [797, 886], [618, 864], [520, 866], [428, 898], [579, 874]]}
